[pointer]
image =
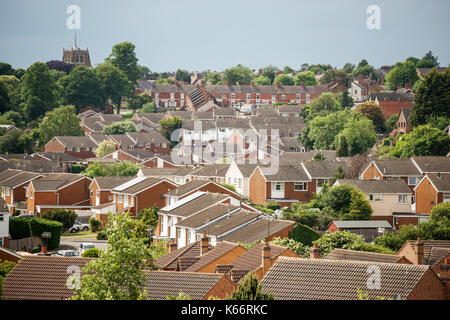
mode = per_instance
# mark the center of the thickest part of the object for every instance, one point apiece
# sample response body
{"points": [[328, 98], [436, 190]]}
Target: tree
{"points": [[428, 61], [391, 123], [303, 234], [335, 75], [249, 288], [372, 111], [163, 81], [15, 141], [283, 80], [403, 73], [62, 121], [414, 60], [288, 70], [119, 272], [39, 91], [316, 68], [66, 217], [262, 81], [348, 67], [346, 100], [148, 107], [365, 69], [121, 127], [10, 98], [423, 141], [360, 135], [238, 75], [13, 117], [96, 170], [124, 58], [439, 122], [305, 77], [269, 72], [183, 76], [144, 72], [211, 78], [6, 69], [359, 208], [114, 83], [318, 157], [167, 126], [104, 148], [324, 104], [342, 147], [5, 101], [181, 296], [118, 169], [149, 217], [432, 98], [136, 101], [82, 88]]}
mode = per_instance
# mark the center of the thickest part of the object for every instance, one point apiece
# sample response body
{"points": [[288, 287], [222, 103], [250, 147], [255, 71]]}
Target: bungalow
{"points": [[389, 199], [434, 188], [57, 190], [309, 279], [140, 193]]}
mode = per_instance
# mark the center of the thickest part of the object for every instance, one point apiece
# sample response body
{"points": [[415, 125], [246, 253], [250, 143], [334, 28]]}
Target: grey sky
{"points": [[210, 34]]}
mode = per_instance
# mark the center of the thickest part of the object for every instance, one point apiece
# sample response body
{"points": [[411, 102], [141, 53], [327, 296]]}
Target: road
{"points": [[67, 243]]}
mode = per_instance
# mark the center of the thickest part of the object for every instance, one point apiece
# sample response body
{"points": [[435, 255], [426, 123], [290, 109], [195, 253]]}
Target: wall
{"points": [[257, 188], [425, 195], [227, 258], [429, 288]]}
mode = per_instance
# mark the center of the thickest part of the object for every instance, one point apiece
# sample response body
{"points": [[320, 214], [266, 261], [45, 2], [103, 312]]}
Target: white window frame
{"points": [[376, 197], [446, 197], [120, 198], [300, 186], [403, 198]]}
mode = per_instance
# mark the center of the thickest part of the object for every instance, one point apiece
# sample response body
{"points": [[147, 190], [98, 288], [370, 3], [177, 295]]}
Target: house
{"points": [[368, 229], [199, 286], [101, 189], [391, 102], [4, 225], [238, 175], [63, 159], [359, 89], [140, 193], [57, 190], [15, 157], [132, 155], [159, 161], [292, 111], [431, 164], [426, 252], [81, 147], [180, 175], [434, 188], [6, 254], [291, 144], [151, 141], [321, 172], [285, 184], [421, 72], [389, 199], [150, 119], [309, 279], [39, 166], [353, 255], [224, 113], [215, 172], [14, 187]]}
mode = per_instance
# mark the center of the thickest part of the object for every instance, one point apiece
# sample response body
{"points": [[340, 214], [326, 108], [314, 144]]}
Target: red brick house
{"points": [[81, 147], [432, 190], [392, 102], [101, 187], [151, 141]]}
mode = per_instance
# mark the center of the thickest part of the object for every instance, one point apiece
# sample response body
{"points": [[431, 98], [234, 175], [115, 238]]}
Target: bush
{"points": [[149, 216], [229, 186], [102, 235], [66, 217], [19, 228], [273, 206], [5, 267], [77, 168], [35, 250], [91, 253], [298, 247], [94, 224], [303, 234], [39, 226]]}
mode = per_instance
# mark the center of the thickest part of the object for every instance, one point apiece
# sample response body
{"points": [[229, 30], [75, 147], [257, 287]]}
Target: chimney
{"points": [[173, 246], [203, 244], [278, 84], [419, 252], [251, 83], [360, 77], [408, 85], [267, 261], [315, 252], [228, 84], [176, 83], [44, 249]]}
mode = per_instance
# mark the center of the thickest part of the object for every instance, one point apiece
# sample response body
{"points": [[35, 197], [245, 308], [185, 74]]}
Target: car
{"points": [[81, 226], [66, 253], [84, 246]]}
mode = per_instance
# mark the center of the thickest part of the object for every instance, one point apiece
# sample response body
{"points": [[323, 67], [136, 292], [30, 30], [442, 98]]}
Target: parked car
{"points": [[84, 246], [66, 253], [81, 226]]}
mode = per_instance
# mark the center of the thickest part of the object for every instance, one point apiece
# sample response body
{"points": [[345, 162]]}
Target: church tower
{"points": [[77, 56]]}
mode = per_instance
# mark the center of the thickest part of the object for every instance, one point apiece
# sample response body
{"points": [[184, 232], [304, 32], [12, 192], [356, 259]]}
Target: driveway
{"points": [[73, 243]]}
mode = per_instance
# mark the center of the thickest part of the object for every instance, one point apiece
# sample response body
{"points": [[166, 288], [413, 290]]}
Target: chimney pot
{"points": [[204, 244], [267, 261]]}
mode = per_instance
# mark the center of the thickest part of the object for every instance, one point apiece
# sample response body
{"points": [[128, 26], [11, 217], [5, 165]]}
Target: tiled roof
{"points": [[289, 108], [40, 278], [74, 142], [40, 166], [99, 138], [437, 254], [252, 259], [353, 255], [430, 164], [8, 173], [55, 181], [161, 284], [139, 154], [350, 224], [122, 140], [296, 158], [214, 212], [186, 262], [322, 169], [212, 170], [441, 182], [195, 205], [19, 179], [391, 96], [151, 117], [218, 251], [109, 183], [230, 222], [170, 260], [258, 230], [428, 246], [246, 169], [396, 167], [56, 156], [178, 171], [285, 173], [22, 157], [136, 185], [147, 137], [378, 186], [323, 279], [223, 268], [188, 187]]}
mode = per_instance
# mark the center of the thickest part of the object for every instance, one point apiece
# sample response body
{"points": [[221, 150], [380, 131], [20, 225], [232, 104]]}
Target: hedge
{"points": [[39, 226], [19, 228], [303, 234], [91, 253], [77, 168], [66, 217]]}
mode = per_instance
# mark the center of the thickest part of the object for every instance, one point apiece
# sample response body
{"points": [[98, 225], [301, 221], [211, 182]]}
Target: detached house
{"points": [[58, 190]]}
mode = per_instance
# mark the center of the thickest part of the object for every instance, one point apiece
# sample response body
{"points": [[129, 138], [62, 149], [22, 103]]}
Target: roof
{"points": [[350, 224], [139, 154], [56, 181], [428, 247], [19, 179], [21, 156], [147, 137], [109, 183], [161, 284], [193, 204], [151, 117], [378, 186], [390, 96], [212, 170], [212, 255], [75, 141], [178, 171], [298, 157], [252, 259], [436, 255], [230, 222], [323, 279], [322, 169], [205, 216], [41, 166], [40, 278], [258, 230], [136, 185], [285, 173], [353, 255], [169, 261], [246, 169], [396, 167], [188, 187], [289, 108], [430, 164], [441, 182], [57, 156], [8, 173]]}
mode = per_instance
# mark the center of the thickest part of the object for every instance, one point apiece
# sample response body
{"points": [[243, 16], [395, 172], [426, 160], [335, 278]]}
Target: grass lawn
{"points": [[86, 234]]}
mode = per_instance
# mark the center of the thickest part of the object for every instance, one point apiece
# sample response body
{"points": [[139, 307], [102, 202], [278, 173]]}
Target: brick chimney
{"points": [[173, 246], [360, 77], [251, 83], [419, 252], [204, 244], [266, 260], [314, 253], [176, 83], [408, 85], [277, 84], [228, 83]]}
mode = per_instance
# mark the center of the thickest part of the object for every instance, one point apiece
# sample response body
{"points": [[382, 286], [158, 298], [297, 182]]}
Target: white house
{"points": [[4, 222]]}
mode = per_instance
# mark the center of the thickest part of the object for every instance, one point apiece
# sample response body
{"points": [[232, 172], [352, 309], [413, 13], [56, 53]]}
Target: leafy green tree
{"points": [[144, 72], [359, 208], [163, 81], [303, 234], [305, 77], [342, 147], [82, 88], [60, 66], [12, 117], [299, 248], [348, 67], [104, 148], [148, 107], [413, 60], [324, 104], [403, 73], [337, 240], [124, 58], [181, 296], [270, 72], [429, 60], [66, 217], [318, 157], [391, 123], [167, 126], [15, 141], [121, 127], [439, 122], [239, 74], [137, 101], [432, 98], [288, 70], [262, 81], [6, 69], [211, 78], [119, 169], [62, 121], [96, 170], [336, 75], [39, 91], [119, 272], [249, 288], [316, 68], [183, 76], [114, 83], [360, 135], [5, 101], [372, 111], [149, 216], [283, 80], [11, 97], [423, 141], [365, 69]]}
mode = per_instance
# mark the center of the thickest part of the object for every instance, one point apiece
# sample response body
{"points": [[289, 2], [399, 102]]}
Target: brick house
{"points": [[57, 190], [132, 155], [151, 141], [101, 189], [81, 147], [159, 161], [180, 175], [392, 102], [433, 189], [353, 255], [140, 193]]}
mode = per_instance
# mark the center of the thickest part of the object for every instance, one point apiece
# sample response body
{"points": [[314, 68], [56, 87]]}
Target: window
{"points": [[92, 193], [321, 182], [1, 217], [178, 233], [300, 186], [162, 223], [403, 198], [31, 195], [182, 95], [258, 96], [278, 186], [412, 181], [298, 96], [283, 97], [235, 181], [446, 197], [248, 96], [8, 192], [172, 96], [233, 96], [273, 97], [376, 197], [120, 200], [240, 182]]}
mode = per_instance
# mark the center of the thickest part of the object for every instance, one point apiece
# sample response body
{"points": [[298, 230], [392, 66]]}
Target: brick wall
{"points": [[430, 287], [75, 193], [372, 173], [257, 187], [152, 196], [227, 258], [223, 288], [426, 197], [393, 107]]}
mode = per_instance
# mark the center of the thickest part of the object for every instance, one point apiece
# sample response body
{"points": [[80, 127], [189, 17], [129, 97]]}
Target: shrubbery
{"points": [[92, 253], [19, 228], [303, 234], [66, 217], [39, 226], [94, 224]]}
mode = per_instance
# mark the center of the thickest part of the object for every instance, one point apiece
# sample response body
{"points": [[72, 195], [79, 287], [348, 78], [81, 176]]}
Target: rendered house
{"points": [[57, 190], [238, 175], [4, 225]]}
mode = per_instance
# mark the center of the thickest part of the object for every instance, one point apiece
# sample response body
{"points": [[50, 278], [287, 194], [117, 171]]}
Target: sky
{"points": [[199, 35]]}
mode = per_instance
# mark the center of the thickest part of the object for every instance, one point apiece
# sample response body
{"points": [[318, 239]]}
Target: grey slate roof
{"points": [[430, 164], [212, 170], [396, 167], [322, 169], [207, 215], [350, 224], [188, 187], [230, 222], [74, 142], [378, 186], [136, 186], [19, 179], [353, 255], [441, 182], [109, 183], [286, 173], [195, 205], [55, 181]]}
